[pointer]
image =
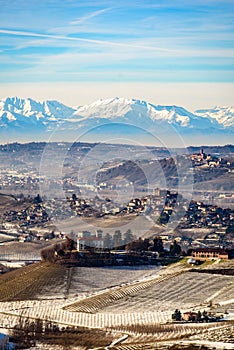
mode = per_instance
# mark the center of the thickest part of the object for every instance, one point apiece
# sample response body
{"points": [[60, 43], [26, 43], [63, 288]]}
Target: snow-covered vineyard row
{"points": [[99, 301], [117, 321], [133, 307], [183, 291], [219, 334], [55, 313]]}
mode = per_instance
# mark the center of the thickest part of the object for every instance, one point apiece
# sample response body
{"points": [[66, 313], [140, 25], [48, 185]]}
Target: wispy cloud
{"points": [[57, 40], [84, 40], [91, 15]]}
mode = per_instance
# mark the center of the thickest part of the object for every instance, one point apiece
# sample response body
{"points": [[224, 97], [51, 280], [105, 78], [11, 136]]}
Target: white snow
{"points": [[223, 115], [25, 113], [28, 110]]}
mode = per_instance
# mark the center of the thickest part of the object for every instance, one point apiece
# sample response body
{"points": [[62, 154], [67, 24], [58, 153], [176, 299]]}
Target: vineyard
{"points": [[135, 302], [89, 279], [99, 301], [52, 281], [184, 290], [28, 282], [152, 334], [19, 251]]}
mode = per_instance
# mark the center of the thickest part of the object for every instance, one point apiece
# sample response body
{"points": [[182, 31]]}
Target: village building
{"points": [[209, 253]]}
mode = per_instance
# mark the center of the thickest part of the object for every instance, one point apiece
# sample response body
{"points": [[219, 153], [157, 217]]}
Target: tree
{"points": [[60, 253], [49, 235], [70, 244], [137, 245], [205, 316], [175, 249], [146, 244], [128, 237], [107, 240], [48, 254], [157, 245], [164, 218], [117, 239], [37, 199], [176, 316], [199, 316]]}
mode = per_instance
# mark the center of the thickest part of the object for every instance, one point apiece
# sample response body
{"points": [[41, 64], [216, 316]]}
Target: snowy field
{"points": [[116, 298]]}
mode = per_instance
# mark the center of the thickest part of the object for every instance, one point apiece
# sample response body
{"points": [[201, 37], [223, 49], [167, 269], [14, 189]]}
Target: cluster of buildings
{"points": [[12, 180], [35, 214], [100, 207], [207, 160], [161, 205], [198, 316], [86, 241], [151, 204], [199, 214]]}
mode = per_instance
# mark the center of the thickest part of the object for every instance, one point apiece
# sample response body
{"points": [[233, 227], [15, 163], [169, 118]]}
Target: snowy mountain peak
{"points": [[28, 117], [223, 115], [17, 108], [132, 110]]}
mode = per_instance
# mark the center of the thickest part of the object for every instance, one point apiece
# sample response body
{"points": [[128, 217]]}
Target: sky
{"points": [[163, 51]]}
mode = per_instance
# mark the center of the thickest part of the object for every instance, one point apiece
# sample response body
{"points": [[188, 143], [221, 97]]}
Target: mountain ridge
{"points": [[19, 115]]}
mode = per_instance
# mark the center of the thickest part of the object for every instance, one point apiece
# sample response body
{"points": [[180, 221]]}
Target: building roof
{"points": [[210, 250]]}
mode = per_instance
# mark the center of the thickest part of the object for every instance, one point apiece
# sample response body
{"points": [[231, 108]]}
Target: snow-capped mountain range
{"points": [[25, 117]]}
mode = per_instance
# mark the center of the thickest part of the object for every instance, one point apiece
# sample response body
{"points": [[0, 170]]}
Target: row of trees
{"points": [[115, 241], [129, 242], [28, 332]]}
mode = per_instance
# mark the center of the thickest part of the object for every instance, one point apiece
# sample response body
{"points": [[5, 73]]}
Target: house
{"points": [[190, 316], [209, 253], [89, 242], [86, 240]]}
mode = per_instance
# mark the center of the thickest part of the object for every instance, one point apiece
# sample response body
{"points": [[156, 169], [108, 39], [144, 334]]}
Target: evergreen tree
{"points": [[108, 241], [157, 245], [199, 316], [37, 199], [175, 249], [70, 244], [128, 237], [176, 316], [117, 239]]}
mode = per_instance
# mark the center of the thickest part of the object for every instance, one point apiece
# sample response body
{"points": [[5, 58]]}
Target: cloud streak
{"points": [[61, 40], [84, 40], [94, 14]]}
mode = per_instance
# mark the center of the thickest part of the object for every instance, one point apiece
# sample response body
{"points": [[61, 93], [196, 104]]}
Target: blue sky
{"points": [[172, 41]]}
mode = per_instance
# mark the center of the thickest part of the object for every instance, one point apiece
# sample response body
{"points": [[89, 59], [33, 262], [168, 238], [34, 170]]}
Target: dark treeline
{"points": [[28, 332]]}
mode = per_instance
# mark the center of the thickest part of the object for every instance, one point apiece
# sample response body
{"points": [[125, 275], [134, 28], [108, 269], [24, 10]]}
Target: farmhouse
{"points": [[209, 253], [190, 316], [85, 240]]}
